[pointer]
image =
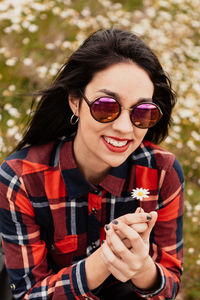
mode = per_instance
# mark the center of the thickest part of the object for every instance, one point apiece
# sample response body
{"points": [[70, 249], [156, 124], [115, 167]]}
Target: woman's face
{"points": [[103, 145]]}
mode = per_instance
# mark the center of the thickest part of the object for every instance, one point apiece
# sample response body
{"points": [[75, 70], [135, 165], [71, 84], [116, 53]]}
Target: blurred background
{"points": [[37, 36]]}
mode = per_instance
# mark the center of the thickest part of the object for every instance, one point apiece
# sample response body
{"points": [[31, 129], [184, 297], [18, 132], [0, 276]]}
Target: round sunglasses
{"points": [[106, 109]]}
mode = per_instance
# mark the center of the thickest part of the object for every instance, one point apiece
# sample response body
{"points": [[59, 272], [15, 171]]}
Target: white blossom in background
{"points": [[12, 131], [27, 61], [50, 46], [12, 88], [42, 71], [11, 61], [54, 69], [33, 28], [195, 135], [191, 250], [198, 262], [26, 40], [18, 136], [10, 123], [12, 110], [191, 145], [189, 192], [2, 145], [197, 208]]}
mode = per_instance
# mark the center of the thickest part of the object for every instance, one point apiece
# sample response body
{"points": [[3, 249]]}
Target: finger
{"points": [[139, 221], [112, 240], [127, 243], [134, 218], [117, 274], [114, 264], [140, 227], [136, 241], [151, 223], [116, 244], [139, 210], [121, 236]]}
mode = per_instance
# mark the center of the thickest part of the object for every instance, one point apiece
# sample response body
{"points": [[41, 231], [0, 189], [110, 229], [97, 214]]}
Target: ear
{"points": [[74, 104]]}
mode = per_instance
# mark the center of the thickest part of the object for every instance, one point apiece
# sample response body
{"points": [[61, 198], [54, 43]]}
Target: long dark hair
{"points": [[100, 50]]}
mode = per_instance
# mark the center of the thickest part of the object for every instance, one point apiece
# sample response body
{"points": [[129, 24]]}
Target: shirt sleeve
{"points": [[26, 254], [167, 236]]}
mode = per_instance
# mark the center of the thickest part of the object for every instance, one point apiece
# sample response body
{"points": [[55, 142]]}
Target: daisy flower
{"points": [[140, 193]]}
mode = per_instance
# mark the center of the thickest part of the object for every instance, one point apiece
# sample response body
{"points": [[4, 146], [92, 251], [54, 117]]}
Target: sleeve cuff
{"points": [[79, 279], [150, 293]]}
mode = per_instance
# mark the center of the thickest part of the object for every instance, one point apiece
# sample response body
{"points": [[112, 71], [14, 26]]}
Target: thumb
{"points": [[139, 210], [151, 224]]}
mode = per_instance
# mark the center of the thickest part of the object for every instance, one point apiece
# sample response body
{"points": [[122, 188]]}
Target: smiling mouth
{"points": [[115, 143]]}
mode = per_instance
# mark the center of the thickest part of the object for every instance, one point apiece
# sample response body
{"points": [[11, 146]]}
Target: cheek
{"points": [[89, 126], [140, 133], [85, 118], [88, 123]]}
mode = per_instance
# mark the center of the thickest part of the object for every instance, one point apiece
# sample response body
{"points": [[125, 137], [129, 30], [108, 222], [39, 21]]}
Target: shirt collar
{"points": [[76, 183]]}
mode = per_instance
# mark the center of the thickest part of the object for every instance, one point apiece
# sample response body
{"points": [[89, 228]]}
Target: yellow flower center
{"points": [[140, 194]]}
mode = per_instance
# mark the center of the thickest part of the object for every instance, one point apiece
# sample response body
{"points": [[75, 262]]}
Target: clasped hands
{"points": [[125, 251]]}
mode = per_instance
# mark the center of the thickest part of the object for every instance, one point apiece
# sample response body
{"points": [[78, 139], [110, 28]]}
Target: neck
{"points": [[93, 172], [95, 178]]}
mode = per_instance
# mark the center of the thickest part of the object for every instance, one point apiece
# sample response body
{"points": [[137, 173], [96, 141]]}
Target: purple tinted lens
{"points": [[145, 115], [105, 109]]}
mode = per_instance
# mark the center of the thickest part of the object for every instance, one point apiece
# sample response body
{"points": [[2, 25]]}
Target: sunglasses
{"points": [[107, 109]]}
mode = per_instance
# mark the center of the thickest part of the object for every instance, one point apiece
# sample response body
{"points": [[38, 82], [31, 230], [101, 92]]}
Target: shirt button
{"points": [[52, 247], [96, 191], [12, 286], [94, 245], [94, 211]]}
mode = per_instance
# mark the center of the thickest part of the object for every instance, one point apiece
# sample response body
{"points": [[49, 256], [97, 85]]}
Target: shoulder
{"points": [[155, 157], [28, 160]]}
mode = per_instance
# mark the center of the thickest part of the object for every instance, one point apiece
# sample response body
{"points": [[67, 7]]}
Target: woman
{"points": [[90, 207]]}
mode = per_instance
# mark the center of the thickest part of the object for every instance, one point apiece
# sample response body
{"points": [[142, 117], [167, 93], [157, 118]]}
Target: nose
{"points": [[123, 123]]}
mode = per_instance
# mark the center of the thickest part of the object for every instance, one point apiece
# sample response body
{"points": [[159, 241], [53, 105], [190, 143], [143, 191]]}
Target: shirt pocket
{"points": [[62, 251]]}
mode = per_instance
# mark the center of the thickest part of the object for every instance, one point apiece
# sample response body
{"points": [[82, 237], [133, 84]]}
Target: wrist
{"points": [[149, 277], [96, 270]]}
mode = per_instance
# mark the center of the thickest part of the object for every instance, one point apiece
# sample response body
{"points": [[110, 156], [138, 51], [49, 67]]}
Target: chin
{"points": [[116, 164]]}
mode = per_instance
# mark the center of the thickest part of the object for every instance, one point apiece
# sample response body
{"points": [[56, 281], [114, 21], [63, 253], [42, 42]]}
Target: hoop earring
{"points": [[73, 122]]}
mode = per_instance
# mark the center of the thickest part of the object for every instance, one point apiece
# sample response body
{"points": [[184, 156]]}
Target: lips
{"points": [[116, 144]]}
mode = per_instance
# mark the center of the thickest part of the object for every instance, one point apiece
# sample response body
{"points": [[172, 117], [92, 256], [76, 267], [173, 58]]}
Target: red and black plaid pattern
{"points": [[51, 218]]}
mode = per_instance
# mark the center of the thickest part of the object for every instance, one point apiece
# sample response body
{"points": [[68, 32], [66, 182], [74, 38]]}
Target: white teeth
{"points": [[115, 143]]}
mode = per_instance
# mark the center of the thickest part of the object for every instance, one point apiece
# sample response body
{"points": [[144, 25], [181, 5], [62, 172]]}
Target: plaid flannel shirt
{"points": [[51, 218]]}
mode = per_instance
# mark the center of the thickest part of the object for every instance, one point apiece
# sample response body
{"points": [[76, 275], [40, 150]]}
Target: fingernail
{"points": [[115, 222], [149, 218], [107, 227]]}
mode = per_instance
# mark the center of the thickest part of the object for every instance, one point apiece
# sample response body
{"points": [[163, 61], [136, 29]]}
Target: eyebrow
{"points": [[117, 96], [110, 93]]}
